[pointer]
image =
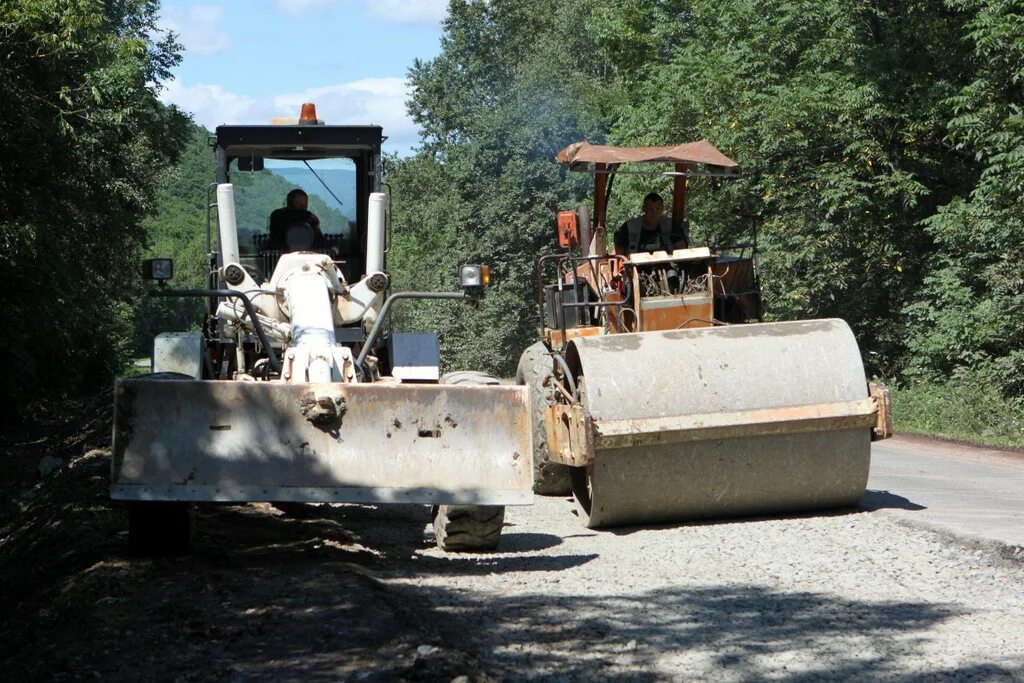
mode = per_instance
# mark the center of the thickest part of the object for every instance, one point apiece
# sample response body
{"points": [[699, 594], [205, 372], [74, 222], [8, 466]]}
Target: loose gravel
{"points": [[360, 593], [857, 596]]}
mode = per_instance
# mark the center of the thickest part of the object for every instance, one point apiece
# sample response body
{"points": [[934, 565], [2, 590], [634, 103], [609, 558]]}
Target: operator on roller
{"points": [[651, 231], [294, 212]]}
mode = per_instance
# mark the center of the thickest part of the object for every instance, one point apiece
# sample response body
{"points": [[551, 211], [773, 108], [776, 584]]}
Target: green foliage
{"points": [[969, 316], [833, 109], [882, 146], [84, 139], [177, 229], [970, 408], [504, 96]]}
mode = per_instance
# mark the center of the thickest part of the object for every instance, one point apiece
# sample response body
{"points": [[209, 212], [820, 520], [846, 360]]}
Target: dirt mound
{"points": [[54, 473]]}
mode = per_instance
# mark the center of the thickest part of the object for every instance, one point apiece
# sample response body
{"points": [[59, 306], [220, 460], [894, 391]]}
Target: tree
{"points": [[510, 88], [834, 111], [84, 139], [968, 319], [176, 229]]}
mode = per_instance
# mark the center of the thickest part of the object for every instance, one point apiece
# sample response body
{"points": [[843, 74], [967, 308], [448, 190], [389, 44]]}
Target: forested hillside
{"points": [[881, 145]]}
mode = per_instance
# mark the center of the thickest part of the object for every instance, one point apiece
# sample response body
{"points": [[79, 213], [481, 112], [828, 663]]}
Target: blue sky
{"points": [[247, 61]]}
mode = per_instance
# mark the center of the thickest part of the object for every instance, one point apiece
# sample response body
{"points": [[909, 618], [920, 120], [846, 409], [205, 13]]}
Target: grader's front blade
{"points": [[261, 441]]}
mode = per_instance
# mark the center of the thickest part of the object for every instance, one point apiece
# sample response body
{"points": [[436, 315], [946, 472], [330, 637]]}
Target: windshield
{"points": [[330, 184]]}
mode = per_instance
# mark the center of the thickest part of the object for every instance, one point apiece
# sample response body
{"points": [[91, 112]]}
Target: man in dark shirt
{"points": [[651, 231], [294, 212]]}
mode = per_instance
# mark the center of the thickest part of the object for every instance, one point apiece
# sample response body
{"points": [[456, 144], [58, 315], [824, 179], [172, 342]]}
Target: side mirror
{"points": [[568, 229], [159, 269]]}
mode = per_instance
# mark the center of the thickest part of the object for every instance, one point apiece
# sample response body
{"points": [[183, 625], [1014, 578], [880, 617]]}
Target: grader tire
{"points": [[535, 366], [468, 528], [160, 529]]}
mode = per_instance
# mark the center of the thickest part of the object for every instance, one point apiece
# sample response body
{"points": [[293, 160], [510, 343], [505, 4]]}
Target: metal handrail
{"points": [[371, 338], [249, 310], [573, 262]]}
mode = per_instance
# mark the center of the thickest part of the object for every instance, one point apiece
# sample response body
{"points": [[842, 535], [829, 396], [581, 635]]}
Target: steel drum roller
{"points": [[696, 376]]}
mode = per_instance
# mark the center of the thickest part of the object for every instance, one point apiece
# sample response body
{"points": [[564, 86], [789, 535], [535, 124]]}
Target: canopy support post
{"points": [[600, 208], [679, 203]]}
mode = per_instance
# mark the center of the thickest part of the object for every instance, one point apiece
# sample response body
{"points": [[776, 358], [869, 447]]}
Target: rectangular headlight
{"points": [[158, 269], [474, 276]]}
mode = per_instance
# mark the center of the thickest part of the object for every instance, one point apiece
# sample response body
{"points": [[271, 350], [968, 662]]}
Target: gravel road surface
{"points": [[854, 596], [359, 593]]}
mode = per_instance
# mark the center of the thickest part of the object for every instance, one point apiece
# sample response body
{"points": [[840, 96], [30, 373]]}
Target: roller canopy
{"points": [[579, 154]]}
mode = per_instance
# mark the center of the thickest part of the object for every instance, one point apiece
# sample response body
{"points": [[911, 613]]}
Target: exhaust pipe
{"points": [[226, 223], [375, 227]]}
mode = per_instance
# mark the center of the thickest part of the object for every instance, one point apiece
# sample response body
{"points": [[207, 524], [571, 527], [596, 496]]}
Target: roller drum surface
{"points": [[720, 370]]}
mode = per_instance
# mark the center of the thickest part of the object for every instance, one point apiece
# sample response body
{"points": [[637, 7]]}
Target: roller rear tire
{"points": [[535, 366]]}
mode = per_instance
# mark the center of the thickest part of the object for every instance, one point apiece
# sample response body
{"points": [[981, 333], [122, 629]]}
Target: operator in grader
{"points": [[294, 212]]}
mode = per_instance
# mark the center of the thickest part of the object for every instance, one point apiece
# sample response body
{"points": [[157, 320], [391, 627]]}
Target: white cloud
{"points": [[430, 12], [210, 105], [301, 6], [407, 11], [197, 27], [377, 101]]}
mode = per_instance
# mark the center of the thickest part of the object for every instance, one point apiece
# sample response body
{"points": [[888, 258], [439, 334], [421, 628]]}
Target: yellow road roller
{"points": [[657, 393]]}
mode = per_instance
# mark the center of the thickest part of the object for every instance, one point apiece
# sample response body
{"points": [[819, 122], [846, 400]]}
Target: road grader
{"points": [[655, 395], [295, 390]]}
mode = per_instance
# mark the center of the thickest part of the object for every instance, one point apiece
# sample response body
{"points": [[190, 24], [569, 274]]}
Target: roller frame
{"points": [[574, 437]]}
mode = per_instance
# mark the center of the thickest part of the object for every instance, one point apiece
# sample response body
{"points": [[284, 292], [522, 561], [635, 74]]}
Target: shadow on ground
{"points": [[324, 593], [806, 514], [740, 633], [883, 500]]}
